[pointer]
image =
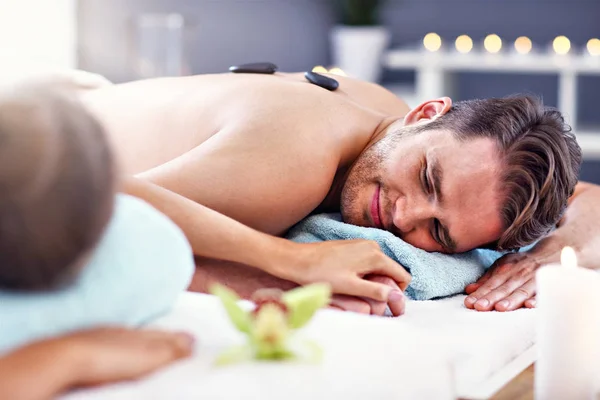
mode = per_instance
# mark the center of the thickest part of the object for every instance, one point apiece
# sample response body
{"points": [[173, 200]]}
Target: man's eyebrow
{"points": [[447, 241], [437, 177]]}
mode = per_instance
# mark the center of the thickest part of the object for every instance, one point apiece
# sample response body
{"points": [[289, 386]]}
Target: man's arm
{"points": [[342, 264], [510, 284], [245, 280], [212, 234]]}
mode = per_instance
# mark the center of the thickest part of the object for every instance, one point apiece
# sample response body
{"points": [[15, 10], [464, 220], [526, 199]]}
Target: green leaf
{"points": [[358, 12], [315, 352], [303, 302], [234, 354], [240, 318], [270, 351]]}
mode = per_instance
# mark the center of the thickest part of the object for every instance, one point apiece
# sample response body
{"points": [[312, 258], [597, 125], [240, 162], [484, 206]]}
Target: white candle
{"points": [[568, 331]]}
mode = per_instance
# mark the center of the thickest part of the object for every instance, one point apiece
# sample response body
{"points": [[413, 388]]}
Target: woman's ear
{"points": [[428, 110]]}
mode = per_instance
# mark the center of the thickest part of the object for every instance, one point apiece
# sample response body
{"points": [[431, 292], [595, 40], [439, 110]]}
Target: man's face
{"points": [[429, 189]]}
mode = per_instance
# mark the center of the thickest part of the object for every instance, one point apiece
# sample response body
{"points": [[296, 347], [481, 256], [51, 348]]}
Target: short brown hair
{"points": [[541, 160], [56, 186]]}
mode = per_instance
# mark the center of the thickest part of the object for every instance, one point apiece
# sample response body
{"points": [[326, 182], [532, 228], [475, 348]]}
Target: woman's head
{"points": [[57, 186]]}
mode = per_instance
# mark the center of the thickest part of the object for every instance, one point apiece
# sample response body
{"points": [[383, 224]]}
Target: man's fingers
{"points": [[377, 307], [396, 300], [395, 271], [349, 303], [372, 290], [531, 303], [375, 294], [518, 297], [496, 295], [474, 286], [501, 266], [397, 304], [477, 296]]}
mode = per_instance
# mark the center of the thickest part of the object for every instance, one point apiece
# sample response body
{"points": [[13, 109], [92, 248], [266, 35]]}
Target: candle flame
{"points": [[561, 45], [464, 44], [523, 45], [568, 257], [492, 43], [432, 42], [337, 71]]}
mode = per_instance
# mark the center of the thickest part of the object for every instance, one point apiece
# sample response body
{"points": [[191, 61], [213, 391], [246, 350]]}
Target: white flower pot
{"points": [[358, 50]]}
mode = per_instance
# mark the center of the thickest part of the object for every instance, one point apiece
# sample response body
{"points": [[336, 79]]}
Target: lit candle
{"points": [[463, 44], [593, 47], [492, 43], [568, 331], [432, 42], [523, 45], [561, 45]]}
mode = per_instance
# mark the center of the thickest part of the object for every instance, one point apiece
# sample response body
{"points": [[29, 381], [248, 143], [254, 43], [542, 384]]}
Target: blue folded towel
{"points": [[433, 274], [141, 265]]}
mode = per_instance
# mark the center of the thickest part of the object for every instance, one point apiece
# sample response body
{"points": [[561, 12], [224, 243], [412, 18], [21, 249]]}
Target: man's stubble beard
{"points": [[366, 170]]}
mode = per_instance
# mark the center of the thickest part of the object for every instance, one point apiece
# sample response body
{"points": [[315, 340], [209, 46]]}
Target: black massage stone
{"points": [[254, 68], [321, 80]]}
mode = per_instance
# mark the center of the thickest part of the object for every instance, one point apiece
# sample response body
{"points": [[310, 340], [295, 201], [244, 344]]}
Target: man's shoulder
{"points": [[374, 96]]}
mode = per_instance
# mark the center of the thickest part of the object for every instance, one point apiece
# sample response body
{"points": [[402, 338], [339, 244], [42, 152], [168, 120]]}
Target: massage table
{"points": [[437, 350]]}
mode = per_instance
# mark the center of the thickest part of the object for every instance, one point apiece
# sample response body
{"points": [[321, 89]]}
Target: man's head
{"points": [[482, 173], [56, 186]]}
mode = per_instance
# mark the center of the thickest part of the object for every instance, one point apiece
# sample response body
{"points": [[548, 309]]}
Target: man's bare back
{"points": [[288, 138]]}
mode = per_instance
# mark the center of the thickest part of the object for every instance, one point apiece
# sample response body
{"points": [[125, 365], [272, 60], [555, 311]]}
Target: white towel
{"points": [[438, 350]]}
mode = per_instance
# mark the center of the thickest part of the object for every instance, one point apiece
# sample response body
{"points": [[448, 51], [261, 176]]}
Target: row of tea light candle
{"points": [[493, 44], [568, 331]]}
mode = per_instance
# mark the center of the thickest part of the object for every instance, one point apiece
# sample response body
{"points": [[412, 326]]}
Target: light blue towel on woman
{"points": [[137, 271], [433, 274]]}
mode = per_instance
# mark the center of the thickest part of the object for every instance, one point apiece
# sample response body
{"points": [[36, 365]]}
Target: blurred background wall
{"points": [[294, 35], [103, 36]]}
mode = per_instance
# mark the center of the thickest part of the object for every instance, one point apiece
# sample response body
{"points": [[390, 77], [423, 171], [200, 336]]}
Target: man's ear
{"points": [[428, 110]]}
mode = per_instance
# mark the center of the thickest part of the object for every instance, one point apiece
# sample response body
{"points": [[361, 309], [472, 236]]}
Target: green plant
{"points": [[358, 12], [270, 327]]}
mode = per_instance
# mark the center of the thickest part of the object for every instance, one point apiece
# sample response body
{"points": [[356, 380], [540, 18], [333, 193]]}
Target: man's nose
{"points": [[410, 215]]}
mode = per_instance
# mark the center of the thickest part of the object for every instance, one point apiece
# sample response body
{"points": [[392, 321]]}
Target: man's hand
{"points": [[245, 280], [344, 265], [367, 306], [509, 284]]}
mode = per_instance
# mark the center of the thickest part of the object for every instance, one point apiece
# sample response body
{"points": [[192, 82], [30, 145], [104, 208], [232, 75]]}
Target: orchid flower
{"points": [[270, 327]]}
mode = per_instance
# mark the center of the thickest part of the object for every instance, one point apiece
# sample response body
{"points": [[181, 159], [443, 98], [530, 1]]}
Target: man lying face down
{"points": [[493, 173], [268, 151], [57, 186]]}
